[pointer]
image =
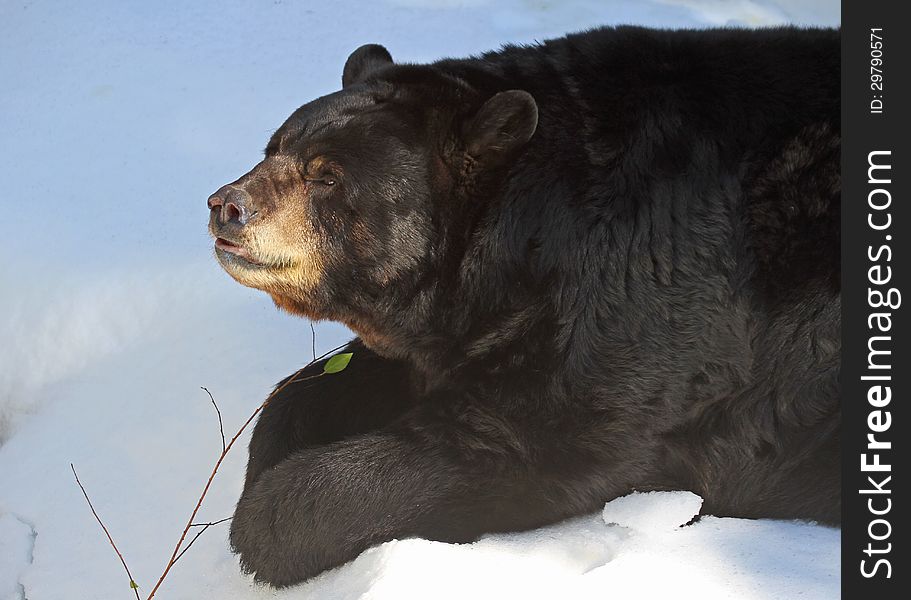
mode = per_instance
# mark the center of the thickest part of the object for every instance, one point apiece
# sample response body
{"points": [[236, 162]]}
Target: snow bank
{"points": [[649, 557]]}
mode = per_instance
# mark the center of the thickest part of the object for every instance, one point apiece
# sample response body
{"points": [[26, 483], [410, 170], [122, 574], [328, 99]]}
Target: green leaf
{"points": [[134, 585], [338, 362]]}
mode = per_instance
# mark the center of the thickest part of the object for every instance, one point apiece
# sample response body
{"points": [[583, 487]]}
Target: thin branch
{"points": [[212, 523], [190, 543], [177, 549], [133, 585], [180, 549], [221, 426], [313, 341], [199, 533]]}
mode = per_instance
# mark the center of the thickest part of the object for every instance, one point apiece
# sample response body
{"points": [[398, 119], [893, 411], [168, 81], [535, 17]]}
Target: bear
{"points": [[600, 264]]}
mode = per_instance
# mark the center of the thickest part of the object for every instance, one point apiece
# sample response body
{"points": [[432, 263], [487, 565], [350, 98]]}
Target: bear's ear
{"points": [[503, 124], [364, 61]]}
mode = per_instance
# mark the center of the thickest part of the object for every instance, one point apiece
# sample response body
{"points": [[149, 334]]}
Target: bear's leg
{"points": [[447, 472], [371, 392]]}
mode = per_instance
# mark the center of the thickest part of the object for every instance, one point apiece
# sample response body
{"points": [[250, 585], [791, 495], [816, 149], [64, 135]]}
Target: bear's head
{"points": [[366, 197]]}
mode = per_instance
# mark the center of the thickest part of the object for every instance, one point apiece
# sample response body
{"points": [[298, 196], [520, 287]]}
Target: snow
{"points": [[652, 512], [117, 120], [17, 540]]}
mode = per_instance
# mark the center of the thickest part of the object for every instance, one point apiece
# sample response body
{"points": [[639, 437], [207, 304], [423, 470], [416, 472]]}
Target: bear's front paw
{"points": [[256, 537], [297, 520]]}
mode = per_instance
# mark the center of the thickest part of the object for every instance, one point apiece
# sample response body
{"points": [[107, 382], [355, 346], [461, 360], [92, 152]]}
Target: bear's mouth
{"points": [[223, 247]]}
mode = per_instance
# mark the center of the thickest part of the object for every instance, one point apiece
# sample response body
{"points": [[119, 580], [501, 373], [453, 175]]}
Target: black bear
{"points": [[603, 263]]}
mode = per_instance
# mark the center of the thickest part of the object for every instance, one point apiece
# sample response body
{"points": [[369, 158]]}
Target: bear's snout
{"points": [[230, 206]]}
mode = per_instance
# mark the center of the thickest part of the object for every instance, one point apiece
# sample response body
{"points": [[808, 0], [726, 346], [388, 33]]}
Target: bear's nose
{"points": [[232, 205]]}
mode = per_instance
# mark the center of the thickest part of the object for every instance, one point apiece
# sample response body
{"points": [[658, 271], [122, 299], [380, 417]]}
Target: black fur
{"points": [[623, 276]]}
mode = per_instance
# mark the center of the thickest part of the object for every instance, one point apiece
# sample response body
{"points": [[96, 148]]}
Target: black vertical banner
{"points": [[876, 262]]}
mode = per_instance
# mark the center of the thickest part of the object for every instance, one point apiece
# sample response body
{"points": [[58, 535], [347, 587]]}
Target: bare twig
{"points": [[180, 549], [133, 584], [212, 523], [177, 549], [199, 533], [221, 427], [313, 340]]}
